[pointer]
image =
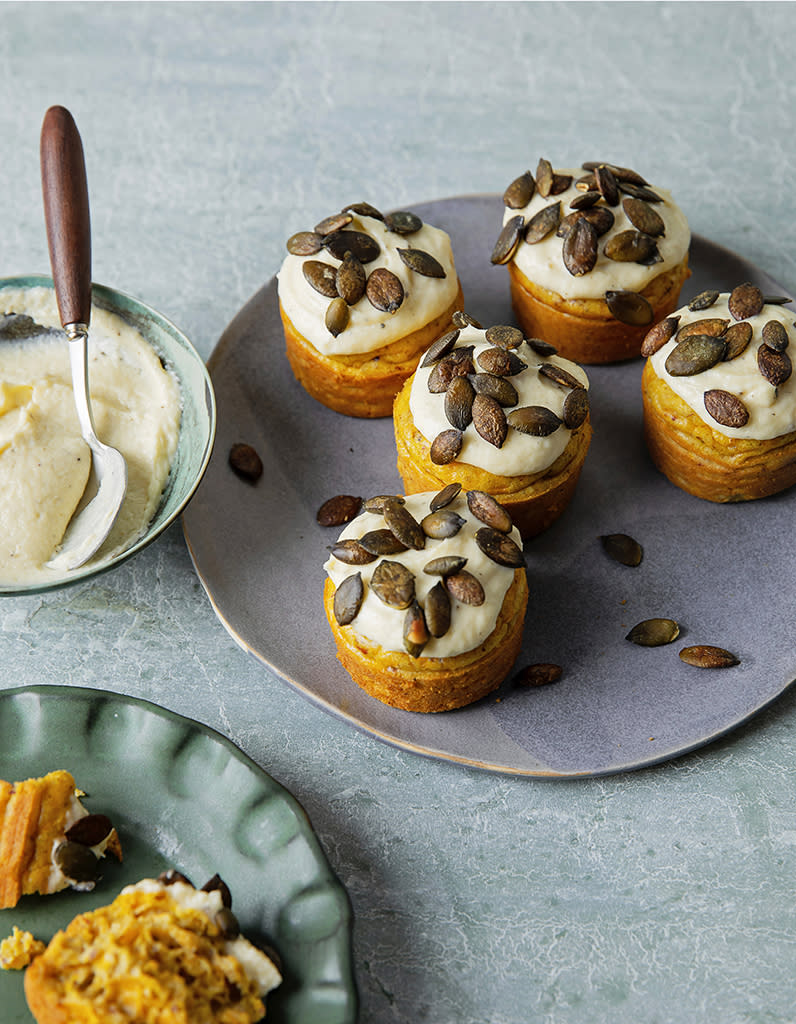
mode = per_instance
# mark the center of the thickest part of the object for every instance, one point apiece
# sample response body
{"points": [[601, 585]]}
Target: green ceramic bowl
{"points": [[197, 428]]}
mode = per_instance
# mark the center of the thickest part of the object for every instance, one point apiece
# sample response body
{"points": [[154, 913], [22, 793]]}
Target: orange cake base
{"points": [[584, 329], [362, 385], [703, 461]]}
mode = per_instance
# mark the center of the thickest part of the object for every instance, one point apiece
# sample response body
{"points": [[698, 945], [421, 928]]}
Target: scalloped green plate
{"points": [[182, 795]]}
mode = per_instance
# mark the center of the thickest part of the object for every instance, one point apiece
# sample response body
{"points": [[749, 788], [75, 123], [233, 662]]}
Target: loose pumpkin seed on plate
{"points": [[340, 509], [654, 632], [708, 656], [540, 674], [622, 548]]}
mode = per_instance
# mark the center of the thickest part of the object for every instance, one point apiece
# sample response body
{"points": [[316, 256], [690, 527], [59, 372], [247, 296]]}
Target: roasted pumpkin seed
{"points": [[507, 240], [421, 262], [444, 565], [365, 248], [342, 508], [381, 542], [461, 319], [337, 316], [639, 192], [305, 243], [494, 360], [695, 354], [632, 246], [489, 419], [703, 301], [622, 548], [445, 496], [364, 210], [559, 375], [321, 276], [348, 599], [245, 462], [351, 552], [745, 300], [441, 347], [400, 521], [446, 446], [600, 218], [438, 610], [504, 336], [775, 335], [737, 336], [217, 884], [642, 216], [393, 584], [499, 547], [384, 290], [629, 308], [576, 408], [657, 336], [459, 403], [90, 830], [560, 183], [466, 588], [488, 510], [542, 224], [520, 191], [536, 420], [776, 367], [77, 862], [336, 222], [502, 390], [376, 502], [350, 279], [654, 632], [726, 408], [544, 177], [626, 174], [540, 674], [227, 923], [542, 348], [776, 300], [457, 363], [580, 248], [442, 524], [403, 222], [585, 200], [607, 184], [416, 634], [712, 325], [707, 656]]}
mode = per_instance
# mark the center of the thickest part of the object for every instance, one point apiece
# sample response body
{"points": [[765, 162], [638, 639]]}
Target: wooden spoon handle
{"points": [[66, 213]]}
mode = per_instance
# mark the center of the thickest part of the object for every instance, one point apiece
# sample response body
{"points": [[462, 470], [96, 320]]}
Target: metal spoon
{"points": [[66, 213]]}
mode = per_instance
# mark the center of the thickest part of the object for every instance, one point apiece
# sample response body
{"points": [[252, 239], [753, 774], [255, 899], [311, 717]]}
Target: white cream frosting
{"points": [[255, 963], [520, 454], [470, 624], [542, 262], [370, 328], [772, 410], [44, 462]]}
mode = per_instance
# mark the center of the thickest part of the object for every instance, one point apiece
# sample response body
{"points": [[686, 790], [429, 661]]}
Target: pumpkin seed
{"points": [[217, 884], [321, 276], [376, 503], [544, 177], [642, 216], [441, 347], [489, 419], [775, 335], [488, 510], [695, 354], [227, 923], [351, 552], [654, 632], [580, 248], [726, 408], [364, 210], [504, 336], [465, 587], [776, 300], [541, 674], [737, 336], [498, 388], [585, 200], [622, 549], [402, 222], [536, 420], [445, 496], [542, 223], [381, 542], [657, 336], [507, 240], [336, 222], [393, 584], [606, 184], [776, 367], [77, 862], [586, 183], [703, 301], [384, 290], [438, 610], [625, 174], [520, 191], [499, 547], [338, 510], [458, 363], [542, 348], [629, 308], [745, 300], [400, 521], [442, 524], [171, 877], [639, 192], [348, 599], [632, 247], [495, 361], [559, 375], [350, 279], [707, 656], [576, 408], [445, 447], [561, 183], [305, 243], [245, 462], [444, 565], [337, 317], [365, 248], [461, 319], [416, 634], [421, 262], [459, 403], [715, 326], [600, 218], [90, 830]]}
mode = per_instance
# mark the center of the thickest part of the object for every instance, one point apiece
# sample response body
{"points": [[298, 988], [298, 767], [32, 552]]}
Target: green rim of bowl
{"points": [[197, 425]]}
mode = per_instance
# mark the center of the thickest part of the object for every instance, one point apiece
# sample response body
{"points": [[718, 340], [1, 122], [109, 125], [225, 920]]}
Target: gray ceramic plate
{"points": [[718, 570], [183, 796]]}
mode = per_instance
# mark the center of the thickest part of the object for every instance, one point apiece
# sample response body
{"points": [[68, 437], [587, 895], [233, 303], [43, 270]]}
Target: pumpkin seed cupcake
{"points": [[595, 257], [500, 414], [361, 296], [48, 840], [161, 953], [426, 597], [720, 398]]}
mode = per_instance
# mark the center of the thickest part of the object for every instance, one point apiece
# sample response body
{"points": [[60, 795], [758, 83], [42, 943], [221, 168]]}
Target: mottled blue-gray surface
{"points": [[211, 133]]}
